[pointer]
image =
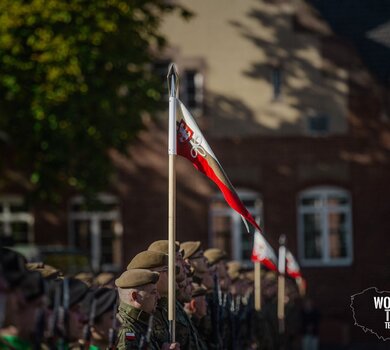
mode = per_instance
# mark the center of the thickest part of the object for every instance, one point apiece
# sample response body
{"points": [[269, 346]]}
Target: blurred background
{"points": [[292, 95]]}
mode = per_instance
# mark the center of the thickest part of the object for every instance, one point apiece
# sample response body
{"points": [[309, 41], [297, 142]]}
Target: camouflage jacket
{"points": [[134, 326], [186, 333], [209, 325], [201, 340], [160, 323]]}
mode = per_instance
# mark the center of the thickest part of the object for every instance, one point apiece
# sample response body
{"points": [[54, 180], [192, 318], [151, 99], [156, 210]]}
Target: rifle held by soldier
{"points": [[112, 332], [145, 339]]}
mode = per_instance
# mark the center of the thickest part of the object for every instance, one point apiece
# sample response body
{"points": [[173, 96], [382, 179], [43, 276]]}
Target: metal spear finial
{"points": [[173, 80]]}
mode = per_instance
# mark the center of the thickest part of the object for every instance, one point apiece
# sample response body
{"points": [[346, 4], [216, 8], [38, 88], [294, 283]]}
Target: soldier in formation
{"points": [[41, 308]]}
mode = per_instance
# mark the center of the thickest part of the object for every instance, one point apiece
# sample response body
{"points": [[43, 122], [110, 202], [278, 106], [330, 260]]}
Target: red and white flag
{"points": [[292, 267], [262, 252], [192, 145]]}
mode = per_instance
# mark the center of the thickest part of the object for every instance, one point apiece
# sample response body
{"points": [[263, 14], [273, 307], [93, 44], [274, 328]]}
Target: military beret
{"points": [[32, 285], [190, 248], [148, 259], [201, 268], [198, 290], [86, 277], [105, 300], [233, 269], [102, 300], [104, 278], [77, 291], [46, 271], [250, 275], [13, 266], [215, 255], [162, 246], [270, 276], [136, 278], [246, 268]]}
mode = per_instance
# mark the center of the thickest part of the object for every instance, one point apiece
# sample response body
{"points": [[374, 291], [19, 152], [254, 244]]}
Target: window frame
{"points": [[95, 218], [311, 118], [7, 217], [277, 82], [323, 192], [236, 220], [198, 90]]}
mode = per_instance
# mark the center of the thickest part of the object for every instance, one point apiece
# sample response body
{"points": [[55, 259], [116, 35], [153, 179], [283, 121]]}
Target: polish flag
{"points": [[292, 267], [262, 252], [192, 145], [130, 336]]}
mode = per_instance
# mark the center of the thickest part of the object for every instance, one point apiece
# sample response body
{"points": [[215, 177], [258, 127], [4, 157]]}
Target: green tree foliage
{"points": [[74, 82]]}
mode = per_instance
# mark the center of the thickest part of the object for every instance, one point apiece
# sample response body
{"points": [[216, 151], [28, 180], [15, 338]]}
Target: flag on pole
{"points": [[292, 268], [192, 145], [262, 252]]}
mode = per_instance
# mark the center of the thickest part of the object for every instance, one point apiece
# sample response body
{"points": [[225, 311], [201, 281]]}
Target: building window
{"points": [[16, 222], [318, 125], [325, 227], [277, 82], [97, 230], [192, 91], [227, 230]]}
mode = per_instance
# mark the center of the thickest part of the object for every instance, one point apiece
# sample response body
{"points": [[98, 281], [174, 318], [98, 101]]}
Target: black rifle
{"points": [[3, 303], [89, 325], [216, 316], [52, 322], [232, 319], [112, 332], [145, 339], [252, 319], [64, 315], [39, 329]]}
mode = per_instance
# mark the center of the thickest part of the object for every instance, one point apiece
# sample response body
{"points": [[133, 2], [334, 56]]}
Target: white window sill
{"points": [[321, 263]]}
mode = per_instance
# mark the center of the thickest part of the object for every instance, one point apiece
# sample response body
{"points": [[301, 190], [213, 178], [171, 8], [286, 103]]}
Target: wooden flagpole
{"points": [[172, 86], [281, 286], [257, 286]]}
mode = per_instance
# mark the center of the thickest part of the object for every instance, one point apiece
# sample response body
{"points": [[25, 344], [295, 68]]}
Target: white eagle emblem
{"points": [[184, 132]]}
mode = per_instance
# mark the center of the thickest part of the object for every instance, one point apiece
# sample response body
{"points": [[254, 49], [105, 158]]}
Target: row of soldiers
{"points": [[42, 309]]}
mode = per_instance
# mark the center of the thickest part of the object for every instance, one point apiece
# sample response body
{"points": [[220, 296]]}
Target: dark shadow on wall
{"points": [[287, 40]]}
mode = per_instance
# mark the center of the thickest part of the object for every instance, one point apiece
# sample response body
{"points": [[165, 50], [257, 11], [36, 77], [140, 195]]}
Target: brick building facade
{"points": [[301, 126]]}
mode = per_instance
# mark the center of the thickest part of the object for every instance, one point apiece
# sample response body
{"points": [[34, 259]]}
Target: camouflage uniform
{"points": [[270, 314], [186, 333], [208, 325], [226, 318], [160, 323], [293, 322], [202, 342], [262, 331], [134, 321]]}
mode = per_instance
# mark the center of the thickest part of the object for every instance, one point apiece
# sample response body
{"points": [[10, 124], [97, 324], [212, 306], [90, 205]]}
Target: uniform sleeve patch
{"points": [[130, 336]]}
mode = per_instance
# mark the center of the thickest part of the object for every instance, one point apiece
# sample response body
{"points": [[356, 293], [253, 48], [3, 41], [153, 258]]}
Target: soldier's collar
{"points": [[140, 315], [135, 313]]}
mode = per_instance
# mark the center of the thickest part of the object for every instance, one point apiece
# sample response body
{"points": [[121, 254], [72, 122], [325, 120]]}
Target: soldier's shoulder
{"points": [[127, 338]]}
